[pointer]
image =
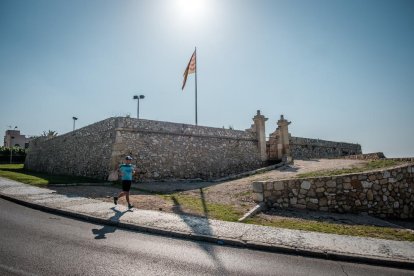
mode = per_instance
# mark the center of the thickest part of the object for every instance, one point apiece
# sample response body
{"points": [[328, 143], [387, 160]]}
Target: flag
{"points": [[191, 68]]}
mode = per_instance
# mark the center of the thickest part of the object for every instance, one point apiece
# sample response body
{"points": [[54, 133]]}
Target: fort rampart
{"points": [[306, 148], [173, 151], [161, 150]]}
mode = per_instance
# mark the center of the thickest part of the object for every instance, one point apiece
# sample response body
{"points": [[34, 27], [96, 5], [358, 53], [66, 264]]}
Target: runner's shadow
{"points": [[201, 226], [106, 229]]}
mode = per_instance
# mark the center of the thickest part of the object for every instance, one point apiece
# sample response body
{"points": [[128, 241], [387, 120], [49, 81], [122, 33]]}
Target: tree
{"points": [[49, 134]]}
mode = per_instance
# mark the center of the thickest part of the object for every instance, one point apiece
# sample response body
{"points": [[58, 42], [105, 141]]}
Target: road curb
{"points": [[336, 256]]}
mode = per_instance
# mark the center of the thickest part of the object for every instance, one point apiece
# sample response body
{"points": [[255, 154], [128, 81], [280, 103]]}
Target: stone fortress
{"points": [[166, 151], [173, 151]]}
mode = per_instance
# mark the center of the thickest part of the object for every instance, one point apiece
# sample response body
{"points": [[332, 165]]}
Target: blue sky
{"points": [[339, 70]]}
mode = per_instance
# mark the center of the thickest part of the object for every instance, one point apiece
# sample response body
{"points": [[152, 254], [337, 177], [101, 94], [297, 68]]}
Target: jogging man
{"points": [[126, 170]]}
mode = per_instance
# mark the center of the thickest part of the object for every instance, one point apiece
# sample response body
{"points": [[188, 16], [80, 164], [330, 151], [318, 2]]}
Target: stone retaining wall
{"points": [[306, 148], [384, 193]]}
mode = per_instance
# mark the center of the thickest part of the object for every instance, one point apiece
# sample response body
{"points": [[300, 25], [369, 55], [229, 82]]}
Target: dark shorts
{"points": [[126, 185]]}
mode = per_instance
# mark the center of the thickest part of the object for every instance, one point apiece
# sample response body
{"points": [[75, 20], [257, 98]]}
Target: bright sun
{"points": [[191, 10]]}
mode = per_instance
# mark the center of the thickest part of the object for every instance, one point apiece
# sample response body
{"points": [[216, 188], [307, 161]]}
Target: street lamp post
{"points": [[136, 97], [11, 143], [11, 149], [74, 119]]}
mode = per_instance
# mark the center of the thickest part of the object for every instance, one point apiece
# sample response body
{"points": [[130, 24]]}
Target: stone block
{"points": [[320, 190], [301, 201], [356, 184], [305, 185], [268, 186], [323, 201], [383, 181], [314, 200], [386, 174], [370, 195], [362, 177], [293, 200], [347, 186], [331, 190], [366, 184], [331, 184], [257, 187], [319, 184], [258, 197], [376, 187], [278, 186], [312, 206]]}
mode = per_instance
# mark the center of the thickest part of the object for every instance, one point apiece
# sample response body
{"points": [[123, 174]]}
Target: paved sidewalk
{"points": [[337, 247]]}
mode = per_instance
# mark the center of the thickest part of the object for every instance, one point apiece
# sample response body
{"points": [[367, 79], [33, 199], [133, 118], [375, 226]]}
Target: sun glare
{"points": [[191, 10]]}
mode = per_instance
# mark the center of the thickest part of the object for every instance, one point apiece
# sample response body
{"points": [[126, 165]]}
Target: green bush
{"points": [[19, 154]]}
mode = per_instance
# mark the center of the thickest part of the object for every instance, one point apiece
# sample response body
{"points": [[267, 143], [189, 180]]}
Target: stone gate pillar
{"points": [[283, 148], [259, 127]]}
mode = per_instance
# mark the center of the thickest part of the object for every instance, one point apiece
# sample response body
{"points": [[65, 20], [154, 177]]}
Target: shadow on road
{"points": [[106, 229], [201, 226]]}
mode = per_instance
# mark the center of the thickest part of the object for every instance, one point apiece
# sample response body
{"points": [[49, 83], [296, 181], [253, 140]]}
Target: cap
{"points": [[128, 157]]}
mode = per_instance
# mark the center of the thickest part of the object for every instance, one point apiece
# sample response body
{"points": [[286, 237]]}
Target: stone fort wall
{"points": [[170, 151], [180, 151], [306, 148], [384, 193], [83, 152], [162, 150]]}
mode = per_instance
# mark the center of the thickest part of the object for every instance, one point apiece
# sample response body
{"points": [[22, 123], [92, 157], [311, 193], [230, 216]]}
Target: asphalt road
{"points": [[37, 243]]}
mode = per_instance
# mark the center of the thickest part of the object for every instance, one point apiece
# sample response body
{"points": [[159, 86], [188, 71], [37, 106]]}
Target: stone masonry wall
{"points": [[306, 148], [83, 152], [162, 150], [365, 156], [384, 193], [179, 151]]}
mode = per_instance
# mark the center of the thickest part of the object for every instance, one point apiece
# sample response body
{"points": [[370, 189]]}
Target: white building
{"points": [[15, 139]]}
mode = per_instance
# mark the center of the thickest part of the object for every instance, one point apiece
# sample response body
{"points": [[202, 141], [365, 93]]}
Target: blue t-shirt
{"points": [[127, 171]]}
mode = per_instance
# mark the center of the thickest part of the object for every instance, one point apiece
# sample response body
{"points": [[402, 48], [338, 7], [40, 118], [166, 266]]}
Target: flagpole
{"points": [[196, 61]]}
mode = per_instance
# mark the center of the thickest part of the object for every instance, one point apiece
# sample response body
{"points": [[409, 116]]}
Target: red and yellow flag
{"points": [[191, 68]]}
